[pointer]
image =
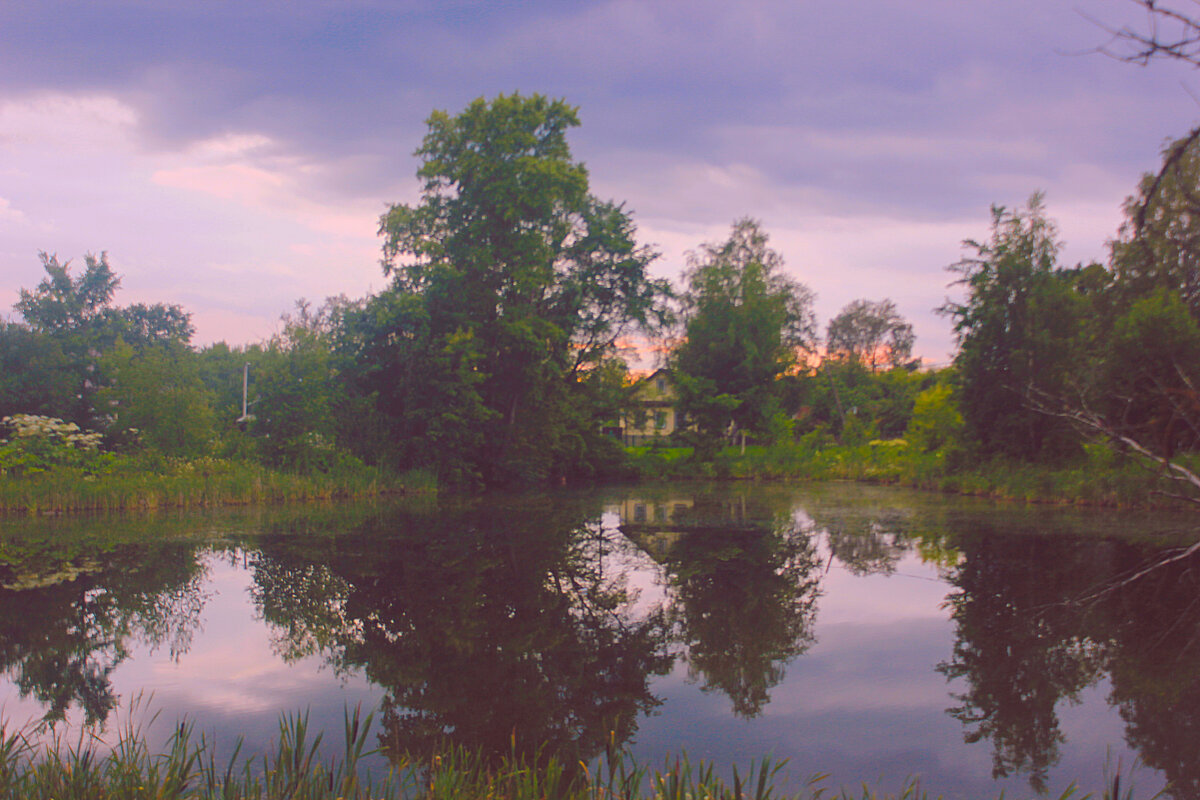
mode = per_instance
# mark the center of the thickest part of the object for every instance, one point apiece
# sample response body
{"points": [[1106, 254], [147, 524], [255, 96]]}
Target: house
{"points": [[651, 412]]}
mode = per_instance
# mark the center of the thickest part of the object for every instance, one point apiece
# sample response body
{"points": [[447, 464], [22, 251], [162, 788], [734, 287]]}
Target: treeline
{"points": [[495, 354]]}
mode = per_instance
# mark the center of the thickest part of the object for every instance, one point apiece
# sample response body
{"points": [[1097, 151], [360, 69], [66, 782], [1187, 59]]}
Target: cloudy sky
{"points": [[235, 156]]}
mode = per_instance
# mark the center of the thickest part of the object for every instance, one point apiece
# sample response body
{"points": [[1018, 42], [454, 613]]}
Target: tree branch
{"points": [[1089, 420]]}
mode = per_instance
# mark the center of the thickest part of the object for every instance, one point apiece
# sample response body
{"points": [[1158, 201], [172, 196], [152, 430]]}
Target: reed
{"points": [[191, 484], [296, 768]]}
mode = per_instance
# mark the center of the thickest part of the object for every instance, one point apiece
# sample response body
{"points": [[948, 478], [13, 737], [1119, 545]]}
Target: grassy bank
{"points": [[297, 767], [1100, 479], [188, 484]]}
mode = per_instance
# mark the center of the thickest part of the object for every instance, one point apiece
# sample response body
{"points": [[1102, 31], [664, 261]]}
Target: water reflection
{"points": [[1040, 618], [743, 587], [67, 621], [498, 625], [1019, 647], [1154, 661], [514, 622]]}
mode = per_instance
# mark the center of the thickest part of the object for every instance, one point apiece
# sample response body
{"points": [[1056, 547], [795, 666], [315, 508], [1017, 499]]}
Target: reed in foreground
{"points": [[295, 768]]}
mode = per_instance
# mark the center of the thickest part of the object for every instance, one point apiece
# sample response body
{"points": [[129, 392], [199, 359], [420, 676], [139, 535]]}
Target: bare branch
{"points": [[1170, 34], [1089, 420], [1143, 572]]}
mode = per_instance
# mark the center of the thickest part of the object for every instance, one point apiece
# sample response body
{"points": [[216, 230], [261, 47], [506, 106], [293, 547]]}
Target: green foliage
{"points": [[1158, 245], [71, 320], [62, 304], [855, 432], [38, 444], [297, 396], [1016, 332], [744, 325], [1150, 373], [511, 284], [37, 376], [936, 422], [157, 399], [842, 388], [121, 484]]}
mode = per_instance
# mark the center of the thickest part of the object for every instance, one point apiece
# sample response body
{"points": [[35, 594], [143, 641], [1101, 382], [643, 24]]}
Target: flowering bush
{"points": [[37, 444]]}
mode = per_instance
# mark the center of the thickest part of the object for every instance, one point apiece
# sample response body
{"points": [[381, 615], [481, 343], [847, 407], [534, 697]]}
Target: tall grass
{"points": [[206, 482], [1099, 479], [296, 768]]}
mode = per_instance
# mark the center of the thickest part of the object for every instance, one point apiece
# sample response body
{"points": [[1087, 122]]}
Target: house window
{"points": [[660, 420], [660, 384], [639, 512]]}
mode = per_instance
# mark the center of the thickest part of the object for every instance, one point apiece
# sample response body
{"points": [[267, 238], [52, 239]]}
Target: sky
{"points": [[235, 157]]}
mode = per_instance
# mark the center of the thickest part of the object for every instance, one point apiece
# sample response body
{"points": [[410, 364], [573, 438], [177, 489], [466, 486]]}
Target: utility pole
{"points": [[245, 417]]}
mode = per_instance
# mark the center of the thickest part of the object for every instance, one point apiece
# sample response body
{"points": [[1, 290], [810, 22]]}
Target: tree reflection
{"points": [[868, 545], [743, 595], [1019, 645], [494, 626], [1039, 618], [64, 627], [1154, 625]]}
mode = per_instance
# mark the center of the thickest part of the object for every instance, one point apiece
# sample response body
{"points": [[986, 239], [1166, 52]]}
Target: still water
{"points": [[863, 632]]}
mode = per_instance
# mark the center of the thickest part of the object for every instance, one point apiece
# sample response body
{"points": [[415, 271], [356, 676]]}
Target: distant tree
{"points": [[299, 390], [79, 308], [511, 283], [744, 326], [871, 333], [842, 392], [936, 421], [76, 312], [62, 304], [140, 325]]}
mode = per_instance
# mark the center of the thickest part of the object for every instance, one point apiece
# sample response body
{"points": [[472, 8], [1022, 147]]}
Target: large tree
{"points": [[744, 326], [511, 285], [1158, 244], [1137, 385], [1015, 326]]}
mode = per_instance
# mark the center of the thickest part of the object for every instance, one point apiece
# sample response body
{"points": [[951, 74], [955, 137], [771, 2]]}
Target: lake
{"points": [[864, 632]]}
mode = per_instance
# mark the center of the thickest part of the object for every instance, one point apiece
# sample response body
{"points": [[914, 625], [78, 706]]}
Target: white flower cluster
{"points": [[32, 426]]}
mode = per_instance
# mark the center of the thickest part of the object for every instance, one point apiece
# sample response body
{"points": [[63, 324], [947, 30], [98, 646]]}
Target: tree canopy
{"points": [[871, 333], [69, 320], [744, 325], [511, 285], [1014, 328]]}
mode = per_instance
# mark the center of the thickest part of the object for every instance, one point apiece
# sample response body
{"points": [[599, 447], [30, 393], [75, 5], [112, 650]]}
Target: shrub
{"points": [[38, 444]]}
